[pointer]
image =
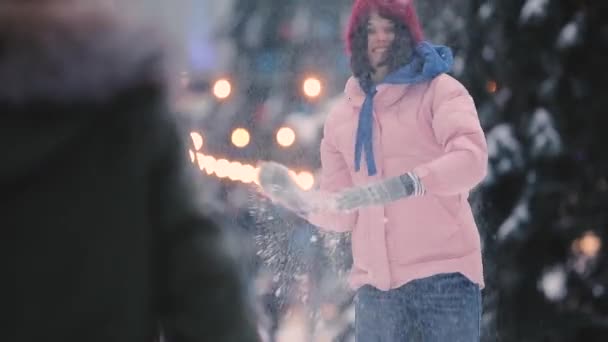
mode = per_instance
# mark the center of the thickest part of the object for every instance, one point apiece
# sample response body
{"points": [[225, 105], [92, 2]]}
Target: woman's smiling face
{"points": [[380, 37]]}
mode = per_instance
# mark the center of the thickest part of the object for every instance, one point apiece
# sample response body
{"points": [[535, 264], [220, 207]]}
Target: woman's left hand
{"points": [[379, 193], [353, 199]]}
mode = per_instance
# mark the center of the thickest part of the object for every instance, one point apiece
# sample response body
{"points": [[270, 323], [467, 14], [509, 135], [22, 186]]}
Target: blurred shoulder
{"points": [[58, 52]]}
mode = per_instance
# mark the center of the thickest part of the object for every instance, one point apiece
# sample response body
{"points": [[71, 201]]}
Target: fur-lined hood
{"points": [[65, 70], [60, 52]]}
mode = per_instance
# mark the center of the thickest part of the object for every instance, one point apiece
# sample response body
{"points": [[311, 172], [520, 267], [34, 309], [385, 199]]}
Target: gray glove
{"points": [[379, 193], [280, 187]]}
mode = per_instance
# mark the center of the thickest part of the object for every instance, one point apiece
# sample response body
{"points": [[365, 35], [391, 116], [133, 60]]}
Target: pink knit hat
{"points": [[403, 9]]}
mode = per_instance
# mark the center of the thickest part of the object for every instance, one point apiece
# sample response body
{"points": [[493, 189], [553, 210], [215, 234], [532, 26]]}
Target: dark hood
{"points": [[62, 70]]}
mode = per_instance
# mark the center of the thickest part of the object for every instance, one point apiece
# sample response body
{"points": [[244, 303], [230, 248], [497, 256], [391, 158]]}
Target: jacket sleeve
{"points": [[334, 177], [457, 129], [201, 294]]}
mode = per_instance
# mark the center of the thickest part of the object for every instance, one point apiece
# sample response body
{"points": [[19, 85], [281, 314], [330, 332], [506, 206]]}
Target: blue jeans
{"points": [[440, 308]]}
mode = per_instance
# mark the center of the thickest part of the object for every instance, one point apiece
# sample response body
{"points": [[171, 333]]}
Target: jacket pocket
{"points": [[425, 228]]}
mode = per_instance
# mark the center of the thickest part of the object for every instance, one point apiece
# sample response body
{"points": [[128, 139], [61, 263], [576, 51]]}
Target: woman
{"points": [[400, 153]]}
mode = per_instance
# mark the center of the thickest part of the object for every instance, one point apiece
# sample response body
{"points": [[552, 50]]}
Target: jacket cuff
{"points": [[419, 189]]}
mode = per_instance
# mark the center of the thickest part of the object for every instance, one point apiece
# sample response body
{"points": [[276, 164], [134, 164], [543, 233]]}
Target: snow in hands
{"points": [[280, 187]]}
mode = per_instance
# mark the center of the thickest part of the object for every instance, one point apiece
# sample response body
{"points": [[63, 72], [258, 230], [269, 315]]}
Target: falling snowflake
{"points": [[553, 283], [533, 9]]}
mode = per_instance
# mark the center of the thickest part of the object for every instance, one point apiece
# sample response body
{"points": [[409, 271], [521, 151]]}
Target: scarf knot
{"points": [[428, 61]]}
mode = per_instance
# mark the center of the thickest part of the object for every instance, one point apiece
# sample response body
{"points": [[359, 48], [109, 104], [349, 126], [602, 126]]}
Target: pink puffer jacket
{"points": [[433, 129]]}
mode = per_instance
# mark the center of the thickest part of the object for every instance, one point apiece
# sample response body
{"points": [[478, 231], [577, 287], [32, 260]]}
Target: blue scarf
{"points": [[428, 61]]}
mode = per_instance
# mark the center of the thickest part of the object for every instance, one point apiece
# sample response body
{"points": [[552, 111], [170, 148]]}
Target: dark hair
{"points": [[398, 55]]}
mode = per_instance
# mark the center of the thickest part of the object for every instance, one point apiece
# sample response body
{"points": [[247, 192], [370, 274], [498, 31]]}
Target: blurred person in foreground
{"points": [[401, 151], [103, 236]]}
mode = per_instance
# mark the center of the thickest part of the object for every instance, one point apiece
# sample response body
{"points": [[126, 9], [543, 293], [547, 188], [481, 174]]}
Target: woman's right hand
{"points": [[280, 187]]}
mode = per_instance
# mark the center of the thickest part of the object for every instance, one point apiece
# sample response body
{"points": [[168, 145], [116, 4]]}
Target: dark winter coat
{"points": [[102, 237]]}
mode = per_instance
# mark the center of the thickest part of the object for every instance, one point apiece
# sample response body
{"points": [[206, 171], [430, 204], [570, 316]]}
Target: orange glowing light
{"points": [[222, 89], [240, 137], [286, 136], [312, 87]]}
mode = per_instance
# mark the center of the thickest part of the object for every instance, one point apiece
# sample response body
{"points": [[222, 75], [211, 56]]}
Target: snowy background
{"points": [[249, 69]]}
